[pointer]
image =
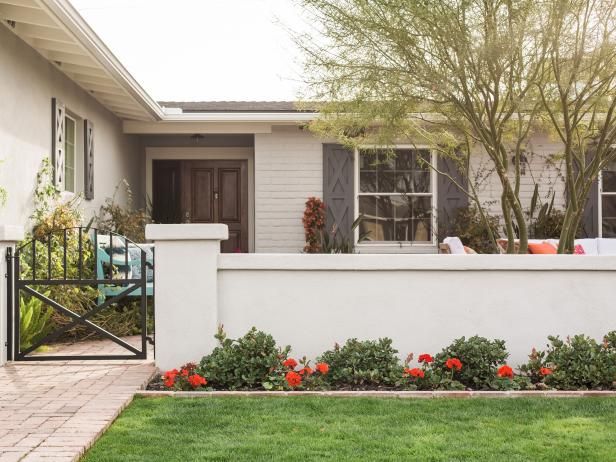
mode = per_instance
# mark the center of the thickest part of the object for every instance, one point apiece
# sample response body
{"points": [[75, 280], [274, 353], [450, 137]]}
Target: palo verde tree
{"points": [[460, 75], [579, 96]]}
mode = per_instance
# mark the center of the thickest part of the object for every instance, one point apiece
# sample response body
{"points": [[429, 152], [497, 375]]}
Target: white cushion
{"points": [[552, 242], [607, 246], [590, 246], [455, 245]]}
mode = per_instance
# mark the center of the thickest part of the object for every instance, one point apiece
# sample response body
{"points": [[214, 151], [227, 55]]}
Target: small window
{"points": [[70, 143], [395, 196]]}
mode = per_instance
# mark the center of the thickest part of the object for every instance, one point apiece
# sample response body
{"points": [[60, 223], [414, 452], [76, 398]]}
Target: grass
{"points": [[345, 429]]}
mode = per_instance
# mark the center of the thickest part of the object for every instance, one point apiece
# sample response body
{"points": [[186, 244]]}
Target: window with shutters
{"points": [[607, 201], [70, 147], [396, 196]]}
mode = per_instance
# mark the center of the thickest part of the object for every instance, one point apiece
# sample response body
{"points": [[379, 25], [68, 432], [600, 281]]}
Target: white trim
{"points": [[397, 246], [205, 153]]}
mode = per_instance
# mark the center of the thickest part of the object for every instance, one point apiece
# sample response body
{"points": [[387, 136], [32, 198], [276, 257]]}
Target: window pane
{"points": [[69, 155], [609, 227], [367, 181], [422, 160], [404, 215], [404, 159], [421, 182], [422, 219], [404, 183], [378, 217], [608, 206], [609, 181]]}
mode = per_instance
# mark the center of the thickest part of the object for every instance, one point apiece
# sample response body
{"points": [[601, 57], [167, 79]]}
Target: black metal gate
{"points": [[105, 267]]}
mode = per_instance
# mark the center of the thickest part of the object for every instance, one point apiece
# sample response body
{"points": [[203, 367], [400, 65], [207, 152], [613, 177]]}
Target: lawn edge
{"points": [[379, 394]]}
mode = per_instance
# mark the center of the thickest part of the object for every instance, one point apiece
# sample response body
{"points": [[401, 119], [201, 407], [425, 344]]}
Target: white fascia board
{"points": [[266, 117], [66, 15], [134, 127]]}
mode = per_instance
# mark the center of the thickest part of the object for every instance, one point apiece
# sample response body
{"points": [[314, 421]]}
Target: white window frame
{"points": [[75, 149], [393, 246]]}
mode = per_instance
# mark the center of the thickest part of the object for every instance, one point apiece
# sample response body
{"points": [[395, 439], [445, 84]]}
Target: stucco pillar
{"points": [[9, 236], [186, 290]]}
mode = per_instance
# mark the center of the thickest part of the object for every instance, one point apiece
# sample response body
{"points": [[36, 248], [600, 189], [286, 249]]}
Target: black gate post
{"points": [[9, 303]]}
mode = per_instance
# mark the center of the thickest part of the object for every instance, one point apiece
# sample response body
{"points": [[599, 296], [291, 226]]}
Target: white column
{"points": [[9, 236], [186, 290]]}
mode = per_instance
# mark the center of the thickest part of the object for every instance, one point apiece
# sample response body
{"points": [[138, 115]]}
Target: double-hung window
{"points": [[395, 196], [607, 200], [70, 143]]}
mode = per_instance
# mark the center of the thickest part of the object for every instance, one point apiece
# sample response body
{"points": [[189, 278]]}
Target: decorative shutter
{"points": [[88, 161], [58, 112], [590, 218], [338, 189], [449, 196]]}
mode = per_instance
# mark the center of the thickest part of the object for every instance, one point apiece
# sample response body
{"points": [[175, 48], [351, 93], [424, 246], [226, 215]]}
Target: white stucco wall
{"points": [[27, 84], [422, 302], [288, 170]]}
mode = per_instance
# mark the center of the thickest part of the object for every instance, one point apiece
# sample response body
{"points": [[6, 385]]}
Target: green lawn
{"points": [[341, 429]]}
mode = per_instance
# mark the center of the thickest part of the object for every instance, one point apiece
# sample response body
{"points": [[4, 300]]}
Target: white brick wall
{"points": [[288, 170]]}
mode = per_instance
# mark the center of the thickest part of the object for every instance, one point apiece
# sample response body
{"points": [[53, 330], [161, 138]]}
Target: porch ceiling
{"points": [[57, 31]]}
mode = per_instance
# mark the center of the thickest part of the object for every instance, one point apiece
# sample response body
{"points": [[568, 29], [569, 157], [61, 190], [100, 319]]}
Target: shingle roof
{"points": [[236, 106]]}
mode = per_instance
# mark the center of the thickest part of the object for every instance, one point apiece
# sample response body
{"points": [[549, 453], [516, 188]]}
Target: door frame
{"points": [[207, 153]]}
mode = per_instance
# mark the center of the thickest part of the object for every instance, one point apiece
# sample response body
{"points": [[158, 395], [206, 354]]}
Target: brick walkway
{"points": [[54, 411]]}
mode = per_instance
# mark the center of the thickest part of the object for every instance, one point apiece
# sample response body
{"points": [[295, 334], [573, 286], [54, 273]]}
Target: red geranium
{"points": [[196, 380], [452, 363], [545, 371], [293, 379], [323, 368], [425, 358], [306, 371], [290, 363], [169, 378], [505, 372], [416, 372], [184, 372]]}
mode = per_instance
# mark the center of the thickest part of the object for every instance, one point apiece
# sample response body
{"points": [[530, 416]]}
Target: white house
{"points": [[250, 165]]}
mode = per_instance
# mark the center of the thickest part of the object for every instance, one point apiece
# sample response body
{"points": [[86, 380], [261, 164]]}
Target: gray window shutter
{"points": [[88, 161], [449, 196], [338, 189], [58, 111], [590, 218]]}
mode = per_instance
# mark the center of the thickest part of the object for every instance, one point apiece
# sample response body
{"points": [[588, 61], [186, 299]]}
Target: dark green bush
{"points": [[363, 365], [251, 362], [480, 359], [468, 225], [577, 363]]}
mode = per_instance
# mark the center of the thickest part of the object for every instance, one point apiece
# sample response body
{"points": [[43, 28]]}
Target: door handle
{"points": [[216, 195], [187, 217]]}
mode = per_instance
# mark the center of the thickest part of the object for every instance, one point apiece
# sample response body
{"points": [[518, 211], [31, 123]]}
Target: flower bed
{"points": [[256, 363]]}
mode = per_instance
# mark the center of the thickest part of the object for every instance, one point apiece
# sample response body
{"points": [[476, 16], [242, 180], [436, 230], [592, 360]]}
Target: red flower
{"points": [[196, 380], [416, 372], [169, 378], [293, 379], [290, 363], [505, 372], [306, 371], [425, 358], [545, 371], [184, 372], [452, 363], [323, 368]]}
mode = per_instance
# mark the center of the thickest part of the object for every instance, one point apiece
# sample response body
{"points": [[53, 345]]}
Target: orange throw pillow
{"points": [[541, 249]]}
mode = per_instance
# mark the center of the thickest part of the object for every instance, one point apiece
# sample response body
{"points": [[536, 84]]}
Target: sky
{"points": [[203, 50]]}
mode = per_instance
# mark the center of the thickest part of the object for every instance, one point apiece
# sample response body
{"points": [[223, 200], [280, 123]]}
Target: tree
{"points": [[460, 75], [579, 96]]}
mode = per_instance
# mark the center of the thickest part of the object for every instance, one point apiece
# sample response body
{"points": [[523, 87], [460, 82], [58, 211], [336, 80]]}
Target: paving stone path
{"points": [[54, 411]]}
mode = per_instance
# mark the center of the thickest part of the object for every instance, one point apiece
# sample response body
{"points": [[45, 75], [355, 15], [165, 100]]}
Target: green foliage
{"points": [[468, 225], [363, 364], [577, 363], [548, 222], [253, 361], [480, 359], [34, 321], [332, 242], [123, 220]]}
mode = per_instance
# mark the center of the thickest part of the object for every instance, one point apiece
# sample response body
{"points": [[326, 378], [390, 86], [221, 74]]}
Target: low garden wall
{"points": [[422, 302]]}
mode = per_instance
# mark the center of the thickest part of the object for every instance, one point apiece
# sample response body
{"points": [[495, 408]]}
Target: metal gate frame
{"points": [[17, 285]]}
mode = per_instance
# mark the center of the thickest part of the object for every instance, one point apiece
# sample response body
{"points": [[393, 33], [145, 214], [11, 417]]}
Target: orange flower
{"points": [[323, 368], [169, 378], [306, 371], [293, 379], [290, 363], [545, 371], [416, 372], [505, 372], [196, 380], [425, 358], [452, 363]]}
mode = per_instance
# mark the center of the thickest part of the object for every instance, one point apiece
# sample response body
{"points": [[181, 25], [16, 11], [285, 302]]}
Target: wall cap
{"points": [[410, 262], [187, 232], [11, 233]]}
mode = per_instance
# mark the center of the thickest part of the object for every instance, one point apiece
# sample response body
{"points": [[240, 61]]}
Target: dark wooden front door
{"points": [[216, 191]]}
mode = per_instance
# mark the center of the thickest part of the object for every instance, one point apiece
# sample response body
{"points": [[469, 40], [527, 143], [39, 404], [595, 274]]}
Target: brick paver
{"points": [[54, 411]]}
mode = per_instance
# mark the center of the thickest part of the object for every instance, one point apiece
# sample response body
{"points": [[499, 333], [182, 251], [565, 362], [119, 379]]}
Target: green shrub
{"points": [[363, 364], [123, 220], [577, 363], [250, 362], [34, 321], [480, 359], [468, 225]]}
